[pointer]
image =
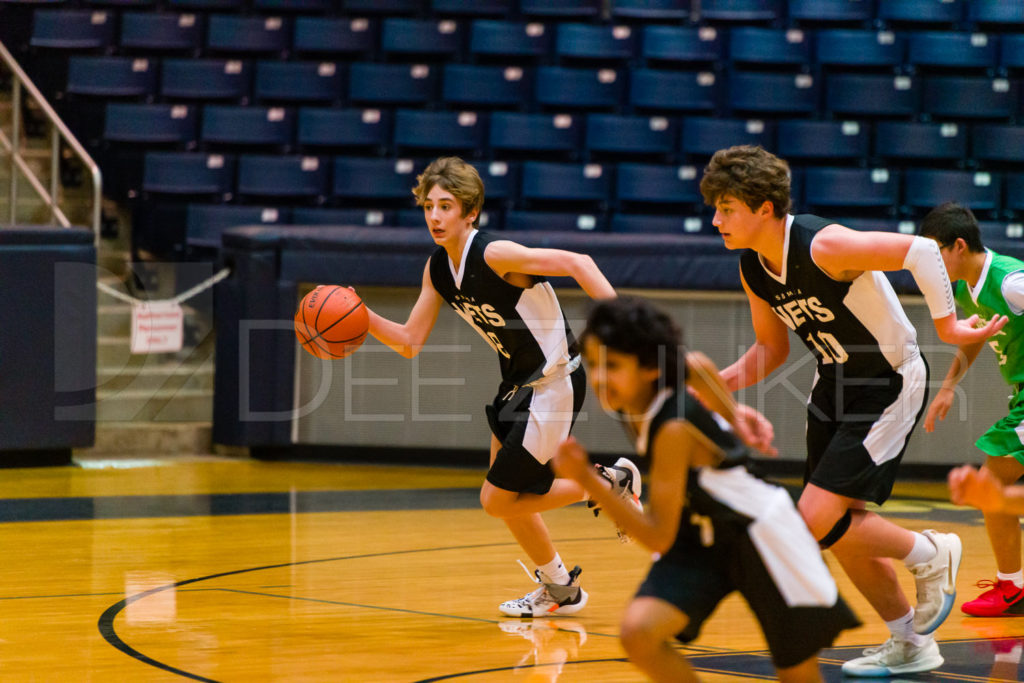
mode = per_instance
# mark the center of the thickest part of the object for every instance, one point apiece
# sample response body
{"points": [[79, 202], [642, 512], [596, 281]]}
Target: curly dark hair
{"points": [[632, 325], [750, 174]]}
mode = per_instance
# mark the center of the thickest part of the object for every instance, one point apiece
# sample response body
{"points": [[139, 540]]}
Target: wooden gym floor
{"points": [[215, 569]]}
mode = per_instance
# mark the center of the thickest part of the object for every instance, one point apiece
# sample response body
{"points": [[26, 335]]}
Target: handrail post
{"points": [[54, 171], [15, 145]]}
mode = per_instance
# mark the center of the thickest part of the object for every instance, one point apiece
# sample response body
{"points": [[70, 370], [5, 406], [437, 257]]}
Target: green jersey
{"points": [[1008, 343]]}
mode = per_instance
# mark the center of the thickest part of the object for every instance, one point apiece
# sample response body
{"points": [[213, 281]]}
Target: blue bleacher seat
{"points": [[189, 173], [920, 11], [947, 49], [205, 5], [1015, 192], [850, 187], [651, 10], [390, 7], [682, 44], [996, 12], [595, 42], [659, 184], [205, 79], [232, 33], [461, 131], [501, 179], [998, 231], [510, 40], [755, 44], [552, 182], [560, 87], [1011, 51], [993, 142], [354, 36], [829, 140], [550, 134], [871, 94], [391, 83], [414, 218], [857, 48], [971, 97], [303, 215], [616, 135], [376, 179], [773, 93], [235, 125], [278, 81], [277, 175], [651, 223], [703, 136], [129, 130], [740, 10], [476, 8], [439, 39], [150, 123], [111, 76], [547, 221], [560, 8], [927, 188], [266, 6], [119, 3], [159, 31], [350, 129], [205, 223], [897, 140], [663, 90], [831, 10], [486, 86], [72, 29]]}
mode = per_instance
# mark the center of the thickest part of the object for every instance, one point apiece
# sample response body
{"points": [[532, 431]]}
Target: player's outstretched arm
{"points": [[407, 339], [943, 400], [981, 489], [768, 352], [749, 424], [506, 257], [844, 254]]}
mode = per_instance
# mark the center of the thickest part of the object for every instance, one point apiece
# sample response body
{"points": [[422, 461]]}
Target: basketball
{"points": [[331, 321]]}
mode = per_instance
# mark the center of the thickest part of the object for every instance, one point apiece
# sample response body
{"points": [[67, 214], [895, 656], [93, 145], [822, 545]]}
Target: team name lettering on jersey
{"points": [[796, 312], [481, 317]]}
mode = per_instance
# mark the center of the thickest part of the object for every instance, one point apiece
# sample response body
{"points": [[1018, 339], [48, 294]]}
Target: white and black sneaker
{"points": [[550, 599], [626, 483]]}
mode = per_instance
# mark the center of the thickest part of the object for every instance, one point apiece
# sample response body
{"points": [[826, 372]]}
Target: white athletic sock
{"points": [[1017, 577], [903, 629], [555, 571], [922, 551]]}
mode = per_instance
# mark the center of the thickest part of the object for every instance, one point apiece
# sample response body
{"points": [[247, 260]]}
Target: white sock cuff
{"points": [[922, 551], [1017, 577]]}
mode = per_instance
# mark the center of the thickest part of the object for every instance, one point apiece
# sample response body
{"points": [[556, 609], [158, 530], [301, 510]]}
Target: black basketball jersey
{"points": [[854, 329], [525, 327], [715, 497]]}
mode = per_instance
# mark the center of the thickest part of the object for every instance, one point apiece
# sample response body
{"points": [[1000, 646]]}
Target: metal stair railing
{"points": [[11, 146]]}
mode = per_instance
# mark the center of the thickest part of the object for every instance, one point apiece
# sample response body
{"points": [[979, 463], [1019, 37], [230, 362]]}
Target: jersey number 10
{"points": [[828, 347]]}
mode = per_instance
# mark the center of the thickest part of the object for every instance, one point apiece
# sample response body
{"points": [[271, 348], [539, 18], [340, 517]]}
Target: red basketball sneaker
{"points": [[1002, 599]]}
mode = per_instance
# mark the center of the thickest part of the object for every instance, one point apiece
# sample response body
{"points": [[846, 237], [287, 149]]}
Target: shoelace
{"points": [[987, 584]]}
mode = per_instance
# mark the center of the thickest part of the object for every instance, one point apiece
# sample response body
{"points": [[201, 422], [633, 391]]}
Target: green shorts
{"points": [[1006, 437]]}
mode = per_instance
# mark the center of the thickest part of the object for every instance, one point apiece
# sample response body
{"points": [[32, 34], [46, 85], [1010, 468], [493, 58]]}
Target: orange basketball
{"points": [[331, 321]]}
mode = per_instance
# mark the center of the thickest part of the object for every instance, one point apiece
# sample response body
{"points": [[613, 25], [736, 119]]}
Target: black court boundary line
{"points": [[105, 624]]}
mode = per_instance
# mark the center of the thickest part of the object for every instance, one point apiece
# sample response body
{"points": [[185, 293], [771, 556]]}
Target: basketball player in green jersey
{"points": [[987, 285]]}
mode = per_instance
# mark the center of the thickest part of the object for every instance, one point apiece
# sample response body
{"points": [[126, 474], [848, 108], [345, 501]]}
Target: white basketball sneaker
{"points": [[626, 483], [549, 599], [895, 657], [936, 582]]}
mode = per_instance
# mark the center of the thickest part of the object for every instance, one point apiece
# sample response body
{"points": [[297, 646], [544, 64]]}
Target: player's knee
{"points": [[493, 502], [833, 535], [636, 638]]}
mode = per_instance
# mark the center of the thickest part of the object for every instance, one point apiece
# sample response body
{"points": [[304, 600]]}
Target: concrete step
{"points": [[149, 439], [191, 376], [163, 405]]}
